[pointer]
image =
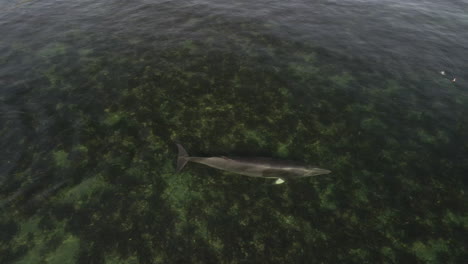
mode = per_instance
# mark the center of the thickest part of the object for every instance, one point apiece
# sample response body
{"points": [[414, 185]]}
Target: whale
{"points": [[261, 167]]}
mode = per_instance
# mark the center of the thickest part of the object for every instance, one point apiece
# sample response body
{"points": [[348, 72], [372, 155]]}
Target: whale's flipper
{"points": [[279, 181]]}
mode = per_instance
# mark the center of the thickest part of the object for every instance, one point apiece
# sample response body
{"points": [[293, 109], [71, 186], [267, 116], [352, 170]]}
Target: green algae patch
{"points": [[326, 198], [61, 159], [429, 251], [282, 150], [66, 252], [53, 49], [84, 189], [115, 259], [343, 80], [255, 138], [28, 227], [373, 125], [113, 118], [180, 196], [32, 256], [41, 243]]}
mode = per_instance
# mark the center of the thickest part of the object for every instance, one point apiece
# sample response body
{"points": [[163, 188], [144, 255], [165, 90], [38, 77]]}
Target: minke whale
{"points": [[281, 170]]}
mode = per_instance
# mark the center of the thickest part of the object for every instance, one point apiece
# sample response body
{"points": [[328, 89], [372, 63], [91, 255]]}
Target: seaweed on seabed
{"points": [[396, 192]]}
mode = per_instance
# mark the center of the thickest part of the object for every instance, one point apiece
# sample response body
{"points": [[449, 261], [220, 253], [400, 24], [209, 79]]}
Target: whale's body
{"points": [[254, 167]]}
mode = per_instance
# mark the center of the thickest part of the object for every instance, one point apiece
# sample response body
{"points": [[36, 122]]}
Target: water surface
{"points": [[93, 95]]}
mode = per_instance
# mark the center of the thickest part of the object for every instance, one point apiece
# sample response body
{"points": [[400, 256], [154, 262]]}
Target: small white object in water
{"points": [[279, 181], [442, 72], [454, 80]]}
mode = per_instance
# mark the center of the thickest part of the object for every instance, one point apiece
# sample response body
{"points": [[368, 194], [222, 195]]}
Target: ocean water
{"points": [[93, 95]]}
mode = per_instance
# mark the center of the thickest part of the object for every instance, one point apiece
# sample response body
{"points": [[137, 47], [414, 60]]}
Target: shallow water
{"points": [[93, 95]]}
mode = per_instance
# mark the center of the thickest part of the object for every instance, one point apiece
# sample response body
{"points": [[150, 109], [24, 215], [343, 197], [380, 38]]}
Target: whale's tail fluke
{"points": [[182, 159]]}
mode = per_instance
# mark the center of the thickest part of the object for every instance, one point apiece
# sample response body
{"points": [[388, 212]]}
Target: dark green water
{"points": [[93, 95]]}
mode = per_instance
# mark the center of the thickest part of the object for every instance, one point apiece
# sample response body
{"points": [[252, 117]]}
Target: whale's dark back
{"points": [[270, 162]]}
